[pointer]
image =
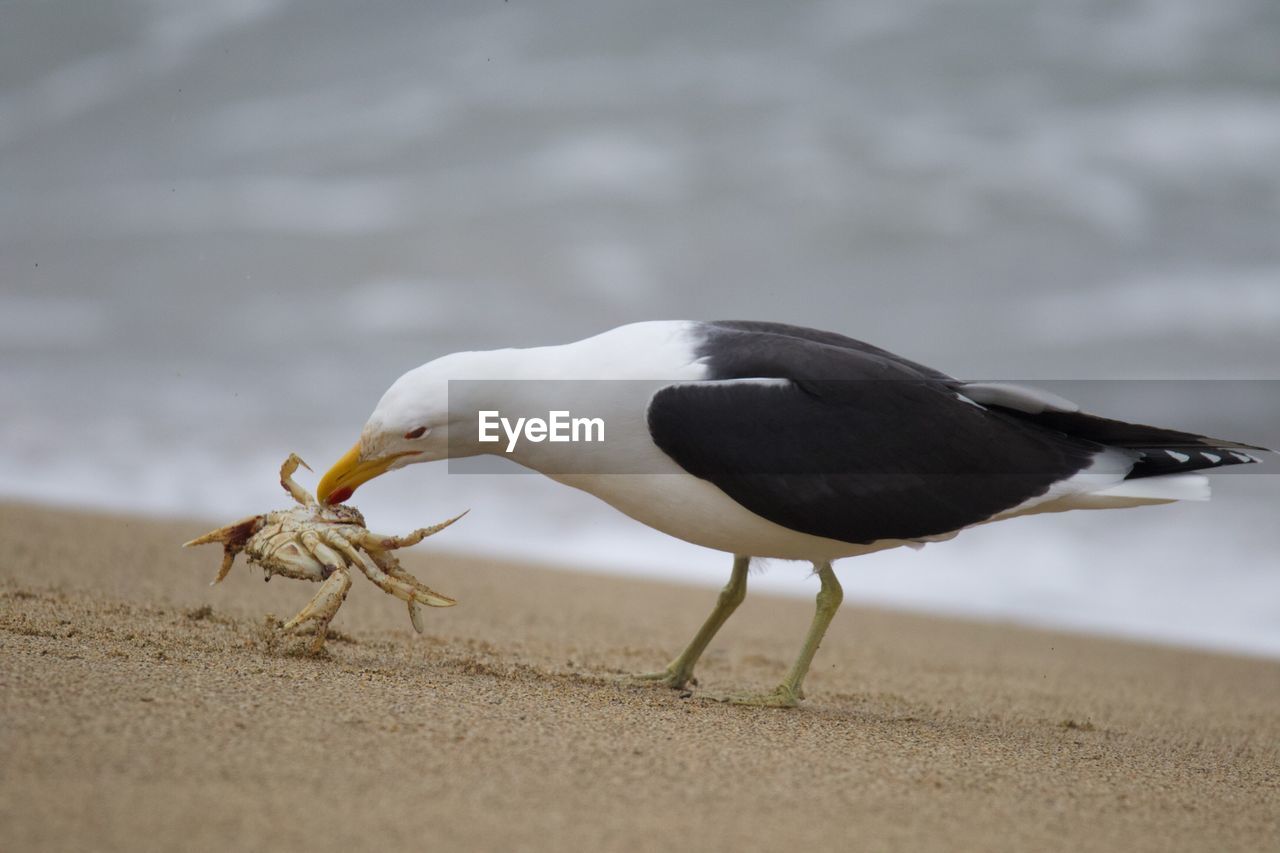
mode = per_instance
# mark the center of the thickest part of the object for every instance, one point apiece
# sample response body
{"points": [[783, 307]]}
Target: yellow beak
{"points": [[347, 474]]}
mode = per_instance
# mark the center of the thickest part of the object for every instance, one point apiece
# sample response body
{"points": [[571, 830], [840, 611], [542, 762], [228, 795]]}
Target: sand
{"points": [[144, 710]]}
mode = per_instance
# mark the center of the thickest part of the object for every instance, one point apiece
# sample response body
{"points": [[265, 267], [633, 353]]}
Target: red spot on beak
{"points": [[340, 495]]}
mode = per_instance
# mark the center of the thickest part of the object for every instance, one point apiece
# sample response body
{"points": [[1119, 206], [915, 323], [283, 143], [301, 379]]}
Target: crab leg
{"points": [[298, 493], [366, 564], [385, 582], [426, 594], [377, 542], [343, 546], [329, 558], [390, 585], [228, 557], [323, 607]]}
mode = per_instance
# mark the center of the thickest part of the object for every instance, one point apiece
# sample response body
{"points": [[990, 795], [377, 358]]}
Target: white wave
{"points": [[1207, 305], [611, 163], [339, 118], [1188, 137], [182, 25]]}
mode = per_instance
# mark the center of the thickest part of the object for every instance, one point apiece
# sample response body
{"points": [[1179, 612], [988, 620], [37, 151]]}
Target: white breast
{"points": [[694, 510]]}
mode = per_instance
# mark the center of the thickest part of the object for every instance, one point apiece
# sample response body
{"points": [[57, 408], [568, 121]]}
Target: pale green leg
{"points": [[791, 690], [680, 671]]}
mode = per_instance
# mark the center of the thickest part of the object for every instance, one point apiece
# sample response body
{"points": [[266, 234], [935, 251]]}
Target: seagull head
{"points": [[411, 423]]}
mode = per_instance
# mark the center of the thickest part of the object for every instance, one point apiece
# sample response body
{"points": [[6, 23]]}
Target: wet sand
{"points": [[144, 710]]}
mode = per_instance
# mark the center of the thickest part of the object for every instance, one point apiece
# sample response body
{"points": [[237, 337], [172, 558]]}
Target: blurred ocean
{"points": [[227, 225]]}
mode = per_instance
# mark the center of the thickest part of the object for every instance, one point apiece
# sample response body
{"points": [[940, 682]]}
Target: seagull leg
{"points": [[680, 671], [790, 691]]}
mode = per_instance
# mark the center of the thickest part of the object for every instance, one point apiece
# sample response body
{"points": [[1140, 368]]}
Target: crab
{"points": [[317, 542]]}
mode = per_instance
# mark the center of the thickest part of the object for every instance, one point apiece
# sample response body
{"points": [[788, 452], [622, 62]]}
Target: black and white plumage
{"points": [[769, 440], [862, 446]]}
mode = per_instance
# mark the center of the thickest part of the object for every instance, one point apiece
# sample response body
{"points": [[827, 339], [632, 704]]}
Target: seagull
{"points": [[766, 440]]}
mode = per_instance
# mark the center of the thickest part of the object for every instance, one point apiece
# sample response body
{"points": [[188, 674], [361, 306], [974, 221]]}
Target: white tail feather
{"points": [[1146, 490], [1101, 487]]}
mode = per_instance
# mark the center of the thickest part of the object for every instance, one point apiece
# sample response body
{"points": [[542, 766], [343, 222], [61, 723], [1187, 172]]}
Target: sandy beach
{"points": [[144, 710]]}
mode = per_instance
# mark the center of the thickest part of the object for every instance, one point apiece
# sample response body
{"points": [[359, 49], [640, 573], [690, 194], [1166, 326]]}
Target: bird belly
{"points": [[694, 510], [633, 476]]}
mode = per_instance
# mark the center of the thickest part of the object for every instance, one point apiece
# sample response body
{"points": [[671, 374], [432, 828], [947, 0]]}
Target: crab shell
{"points": [[275, 541]]}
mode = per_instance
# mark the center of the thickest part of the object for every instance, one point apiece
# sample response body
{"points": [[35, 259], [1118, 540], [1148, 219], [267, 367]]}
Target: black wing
{"points": [[735, 348], [856, 444]]}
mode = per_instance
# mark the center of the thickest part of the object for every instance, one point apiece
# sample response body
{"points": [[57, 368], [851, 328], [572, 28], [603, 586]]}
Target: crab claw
{"points": [[430, 597], [232, 536], [295, 491]]}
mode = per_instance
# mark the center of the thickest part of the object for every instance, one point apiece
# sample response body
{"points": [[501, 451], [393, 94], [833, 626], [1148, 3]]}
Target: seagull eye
{"points": [[416, 433]]}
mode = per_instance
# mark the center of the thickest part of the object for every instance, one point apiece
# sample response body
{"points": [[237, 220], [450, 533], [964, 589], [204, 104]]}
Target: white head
{"points": [[411, 423]]}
